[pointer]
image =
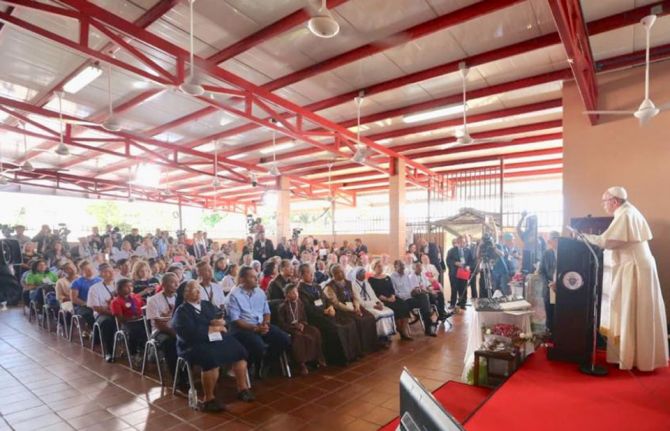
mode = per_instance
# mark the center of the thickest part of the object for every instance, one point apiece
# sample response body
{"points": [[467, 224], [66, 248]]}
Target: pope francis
{"points": [[638, 332]]}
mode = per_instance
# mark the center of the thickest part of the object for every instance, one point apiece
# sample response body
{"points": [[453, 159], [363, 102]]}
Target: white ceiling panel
{"points": [[370, 70], [438, 48]]}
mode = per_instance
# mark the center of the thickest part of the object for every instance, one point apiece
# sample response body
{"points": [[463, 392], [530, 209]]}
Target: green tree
{"points": [[108, 212]]}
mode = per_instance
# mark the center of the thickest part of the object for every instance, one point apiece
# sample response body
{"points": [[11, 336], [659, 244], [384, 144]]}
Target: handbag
{"points": [[463, 274]]}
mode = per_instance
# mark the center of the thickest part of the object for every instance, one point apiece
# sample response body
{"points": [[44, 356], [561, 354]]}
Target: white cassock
{"points": [[637, 333]]}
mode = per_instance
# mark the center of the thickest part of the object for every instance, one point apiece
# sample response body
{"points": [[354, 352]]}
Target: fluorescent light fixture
{"points": [[278, 147], [354, 129], [385, 141], [82, 79], [238, 156], [436, 113], [147, 175]]}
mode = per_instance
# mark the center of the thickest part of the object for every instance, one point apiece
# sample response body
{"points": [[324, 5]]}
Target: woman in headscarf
{"points": [[383, 315], [341, 295], [305, 338]]}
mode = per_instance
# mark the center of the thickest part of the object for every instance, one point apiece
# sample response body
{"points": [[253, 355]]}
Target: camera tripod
{"points": [[484, 265]]}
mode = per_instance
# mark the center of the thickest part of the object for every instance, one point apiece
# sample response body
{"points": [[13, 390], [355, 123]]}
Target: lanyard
{"points": [[168, 303], [107, 289], [293, 312], [210, 293]]}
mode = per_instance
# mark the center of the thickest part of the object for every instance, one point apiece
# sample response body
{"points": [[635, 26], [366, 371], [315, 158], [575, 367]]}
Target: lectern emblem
{"points": [[572, 280]]}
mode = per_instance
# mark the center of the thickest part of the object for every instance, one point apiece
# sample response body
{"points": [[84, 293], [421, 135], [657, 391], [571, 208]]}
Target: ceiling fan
{"points": [[27, 166], [462, 135], [362, 152], [647, 110], [322, 24], [112, 122]]}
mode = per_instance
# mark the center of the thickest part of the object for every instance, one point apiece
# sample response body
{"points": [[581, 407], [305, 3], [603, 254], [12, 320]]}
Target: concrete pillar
{"points": [[283, 208], [397, 227]]}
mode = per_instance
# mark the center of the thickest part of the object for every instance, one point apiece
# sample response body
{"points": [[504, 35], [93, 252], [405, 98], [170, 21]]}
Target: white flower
{"points": [[488, 331]]}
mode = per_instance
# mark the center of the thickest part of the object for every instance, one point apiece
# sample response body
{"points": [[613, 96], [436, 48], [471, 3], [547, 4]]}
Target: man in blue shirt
{"points": [[79, 291], [249, 313]]}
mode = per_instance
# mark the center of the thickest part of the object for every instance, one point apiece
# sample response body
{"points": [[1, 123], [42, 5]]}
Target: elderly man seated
{"points": [[249, 313], [100, 296], [203, 340], [160, 308]]}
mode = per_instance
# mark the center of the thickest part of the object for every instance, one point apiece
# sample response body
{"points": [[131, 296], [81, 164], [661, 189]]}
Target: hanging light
{"points": [[216, 182], [26, 166], [360, 156], [62, 149]]}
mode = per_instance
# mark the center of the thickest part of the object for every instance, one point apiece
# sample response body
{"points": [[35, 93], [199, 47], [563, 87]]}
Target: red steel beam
{"points": [[599, 26], [575, 37], [276, 28], [595, 27], [145, 20], [420, 30]]}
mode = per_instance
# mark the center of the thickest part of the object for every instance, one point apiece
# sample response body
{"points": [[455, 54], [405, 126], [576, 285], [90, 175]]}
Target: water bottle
{"points": [[192, 398]]}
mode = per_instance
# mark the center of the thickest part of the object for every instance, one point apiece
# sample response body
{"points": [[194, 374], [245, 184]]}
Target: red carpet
{"points": [[545, 395], [459, 399]]}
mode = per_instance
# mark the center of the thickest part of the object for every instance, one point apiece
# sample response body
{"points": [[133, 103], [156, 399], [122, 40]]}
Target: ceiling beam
{"points": [[571, 27]]}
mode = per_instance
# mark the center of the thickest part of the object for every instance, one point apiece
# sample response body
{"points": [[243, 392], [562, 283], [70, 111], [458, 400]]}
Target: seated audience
{"points": [[420, 283], [159, 311], [209, 290], [220, 269], [63, 285], [230, 280], [305, 338], [277, 285], [38, 279], [383, 287], [341, 295], [249, 313], [144, 284], [414, 297], [99, 298], [383, 315], [320, 275], [79, 292], [269, 273], [203, 340], [127, 308]]}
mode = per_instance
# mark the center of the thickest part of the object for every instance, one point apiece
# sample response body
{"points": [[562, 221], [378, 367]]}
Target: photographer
{"points": [[19, 235], [263, 248], [43, 239], [499, 257]]}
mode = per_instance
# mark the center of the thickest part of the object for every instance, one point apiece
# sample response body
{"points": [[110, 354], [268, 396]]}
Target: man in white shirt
{"points": [[125, 252], [160, 308], [209, 290], [414, 297], [419, 281], [99, 297]]}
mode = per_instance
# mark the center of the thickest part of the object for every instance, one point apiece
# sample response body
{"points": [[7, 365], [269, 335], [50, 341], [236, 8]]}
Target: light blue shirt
{"points": [[401, 285], [247, 306]]}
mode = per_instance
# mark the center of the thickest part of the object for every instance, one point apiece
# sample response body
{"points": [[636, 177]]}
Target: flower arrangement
{"points": [[502, 336]]}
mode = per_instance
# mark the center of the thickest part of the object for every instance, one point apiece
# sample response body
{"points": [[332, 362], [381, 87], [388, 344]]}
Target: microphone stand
{"points": [[592, 368]]}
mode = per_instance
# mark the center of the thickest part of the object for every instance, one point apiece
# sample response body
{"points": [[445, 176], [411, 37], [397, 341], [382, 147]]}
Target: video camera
{"points": [[7, 230], [296, 233], [487, 247]]}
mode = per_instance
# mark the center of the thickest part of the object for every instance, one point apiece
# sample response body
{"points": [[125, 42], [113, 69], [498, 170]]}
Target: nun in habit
{"points": [[384, 316], [637, 335]]}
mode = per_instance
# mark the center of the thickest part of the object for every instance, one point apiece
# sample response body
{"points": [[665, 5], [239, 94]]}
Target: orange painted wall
{"points": [[617, 151]]}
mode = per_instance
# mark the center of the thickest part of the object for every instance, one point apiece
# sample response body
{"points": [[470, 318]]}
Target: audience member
{"points": [[127, 308], [305, 338], [413, 296], [384, 316], [250, 316], [99, 298], [144, 284], [79, 292], [203, 340], [209, 290], [278, 284], [383, 287], [159, 311]]}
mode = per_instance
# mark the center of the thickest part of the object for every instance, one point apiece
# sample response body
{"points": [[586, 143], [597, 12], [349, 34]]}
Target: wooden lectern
{"points": [[573, 314]]}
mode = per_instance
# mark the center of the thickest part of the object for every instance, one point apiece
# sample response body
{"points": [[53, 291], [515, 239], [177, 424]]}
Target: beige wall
{"points": [[617, 151]]}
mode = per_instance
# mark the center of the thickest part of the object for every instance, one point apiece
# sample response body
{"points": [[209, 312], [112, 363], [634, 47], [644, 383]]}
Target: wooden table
{"points": [[510, 356]]}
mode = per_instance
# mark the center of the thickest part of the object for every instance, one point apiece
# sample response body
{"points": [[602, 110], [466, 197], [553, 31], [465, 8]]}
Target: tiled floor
{"points": [[48, 383]]}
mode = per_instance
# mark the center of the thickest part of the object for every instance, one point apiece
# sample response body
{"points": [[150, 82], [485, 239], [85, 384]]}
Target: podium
{"points": [[573, 313]]}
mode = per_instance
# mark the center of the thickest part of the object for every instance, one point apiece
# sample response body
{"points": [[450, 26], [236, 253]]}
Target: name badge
{"points": [[215, 336], [318, 303]]}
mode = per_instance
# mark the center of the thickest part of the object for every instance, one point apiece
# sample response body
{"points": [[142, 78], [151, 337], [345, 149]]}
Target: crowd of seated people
{"points": [[316, 301]]}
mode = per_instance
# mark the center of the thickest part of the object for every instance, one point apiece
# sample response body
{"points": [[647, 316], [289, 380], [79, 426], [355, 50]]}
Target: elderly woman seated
{"points": [[341, 295], [203, 340], [384, 316], [305, 338]]}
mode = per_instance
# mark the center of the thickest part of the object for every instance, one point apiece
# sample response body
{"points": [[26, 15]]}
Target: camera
{"points": [[296, 233], [487, 248], [251, 224]]}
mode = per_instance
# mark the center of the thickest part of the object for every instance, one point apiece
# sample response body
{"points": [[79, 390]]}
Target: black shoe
{"points": [[109, 358], [246, 395], [212, 406]]}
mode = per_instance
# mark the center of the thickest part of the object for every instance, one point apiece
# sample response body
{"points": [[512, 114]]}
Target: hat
{"points": [[618, 192]]}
